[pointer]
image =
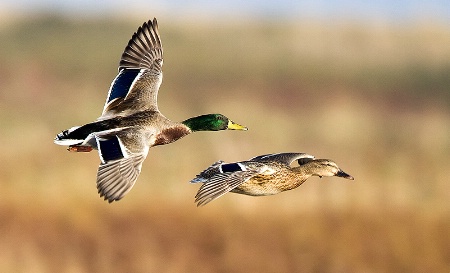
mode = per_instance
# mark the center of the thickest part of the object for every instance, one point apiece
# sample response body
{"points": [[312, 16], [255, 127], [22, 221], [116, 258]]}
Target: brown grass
{"points": [[179, 239]]}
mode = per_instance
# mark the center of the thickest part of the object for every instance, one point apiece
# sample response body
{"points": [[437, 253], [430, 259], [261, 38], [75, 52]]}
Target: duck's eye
{"points": [[231, 167]]}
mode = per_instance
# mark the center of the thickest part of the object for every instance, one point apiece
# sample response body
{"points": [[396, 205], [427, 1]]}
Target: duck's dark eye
{"points": [[231, 167]]}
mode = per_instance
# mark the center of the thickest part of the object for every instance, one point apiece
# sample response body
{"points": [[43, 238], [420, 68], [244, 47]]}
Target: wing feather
{"points": [[220, 184], [140, 73], [119, 167], [208, 173], [144, 50], [284, 158], [117, 177]]}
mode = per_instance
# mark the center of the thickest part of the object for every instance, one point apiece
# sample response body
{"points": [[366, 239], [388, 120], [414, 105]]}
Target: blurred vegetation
{"points": [[373, 97]]}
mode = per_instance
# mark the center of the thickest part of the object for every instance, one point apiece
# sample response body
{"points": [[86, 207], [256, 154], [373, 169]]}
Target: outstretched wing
{"points": [[220, 184], [208, 173], [119, 167], [284, 158], [140, 73], [116, 178], [220, 178]]}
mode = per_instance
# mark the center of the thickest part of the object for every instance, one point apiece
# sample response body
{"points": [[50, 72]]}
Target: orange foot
{"points": [[79, 148]]}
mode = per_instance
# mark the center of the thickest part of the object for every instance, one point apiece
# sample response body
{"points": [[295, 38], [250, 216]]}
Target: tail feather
{"points": [[78, 134], [66, 137]]}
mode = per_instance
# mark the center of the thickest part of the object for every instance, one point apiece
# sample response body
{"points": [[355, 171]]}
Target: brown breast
{"points": [[170, 135]]}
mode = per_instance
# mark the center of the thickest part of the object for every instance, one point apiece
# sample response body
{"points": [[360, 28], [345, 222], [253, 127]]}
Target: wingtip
{"points": [[202, 203], [198, 180], [146, 39], [108, 198]]}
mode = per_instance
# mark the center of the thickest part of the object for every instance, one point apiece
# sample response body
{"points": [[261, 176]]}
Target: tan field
{"points": [[373, 97]]}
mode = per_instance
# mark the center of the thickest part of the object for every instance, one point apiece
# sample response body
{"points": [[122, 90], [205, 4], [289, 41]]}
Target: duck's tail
{"points": [[68, 137], [79, 135], [78, 138]]}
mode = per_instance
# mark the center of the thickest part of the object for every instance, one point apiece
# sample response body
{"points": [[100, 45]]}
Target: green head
{"points": [[212, 122]]}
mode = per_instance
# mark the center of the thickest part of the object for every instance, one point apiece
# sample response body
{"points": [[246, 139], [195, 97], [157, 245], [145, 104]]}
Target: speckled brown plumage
{"points": [[262, 175]]}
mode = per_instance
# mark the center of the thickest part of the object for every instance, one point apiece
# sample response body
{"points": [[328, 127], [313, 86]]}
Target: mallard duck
{"points": [[262, 175], [131, 122]]}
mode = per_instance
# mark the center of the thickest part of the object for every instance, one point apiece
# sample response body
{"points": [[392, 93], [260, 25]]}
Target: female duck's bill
{"points": [[343, 174]]}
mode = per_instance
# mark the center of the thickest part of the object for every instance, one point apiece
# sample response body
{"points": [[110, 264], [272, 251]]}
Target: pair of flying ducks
{"points": [[131, 123]]}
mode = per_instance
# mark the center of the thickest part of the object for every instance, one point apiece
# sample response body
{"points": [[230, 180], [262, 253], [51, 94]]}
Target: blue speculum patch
{"points": [[110, 149], [122, 83], [231, 167]]}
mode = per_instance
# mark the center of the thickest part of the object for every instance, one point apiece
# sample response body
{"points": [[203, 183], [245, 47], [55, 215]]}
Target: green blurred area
{"points": [[373, 97]]}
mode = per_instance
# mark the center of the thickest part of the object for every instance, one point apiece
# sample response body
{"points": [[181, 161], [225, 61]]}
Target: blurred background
{"points": [[365, 83]]}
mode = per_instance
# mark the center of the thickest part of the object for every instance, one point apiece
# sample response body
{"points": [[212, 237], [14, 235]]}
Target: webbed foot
{"points": [[79, 148]]}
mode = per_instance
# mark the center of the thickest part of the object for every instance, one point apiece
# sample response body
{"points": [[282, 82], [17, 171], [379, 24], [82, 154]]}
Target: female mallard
{"points": [[130, 122], [262, 175]]}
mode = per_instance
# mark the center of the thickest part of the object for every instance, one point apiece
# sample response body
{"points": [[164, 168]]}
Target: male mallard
{"points": [[130, 122], [262, 175]]}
